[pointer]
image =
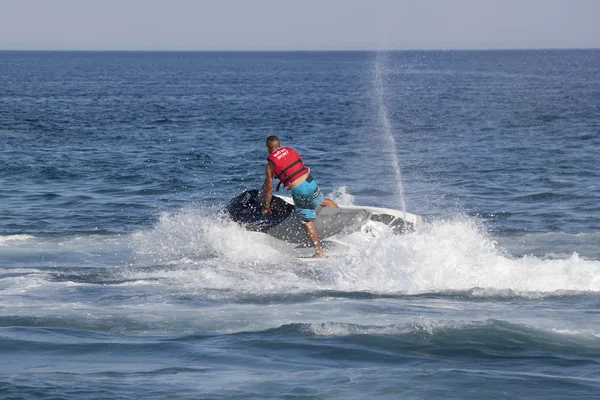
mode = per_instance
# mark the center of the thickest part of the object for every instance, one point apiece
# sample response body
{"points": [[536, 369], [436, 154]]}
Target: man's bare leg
{"points": [[329, 203], [311, 231], [314, 237]]}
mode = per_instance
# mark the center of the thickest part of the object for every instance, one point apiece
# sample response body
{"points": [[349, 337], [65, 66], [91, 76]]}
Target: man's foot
{"points": [[319, 254]]}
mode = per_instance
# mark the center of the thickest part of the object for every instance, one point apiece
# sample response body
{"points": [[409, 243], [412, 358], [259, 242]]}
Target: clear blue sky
{"points": [[298, 24]]}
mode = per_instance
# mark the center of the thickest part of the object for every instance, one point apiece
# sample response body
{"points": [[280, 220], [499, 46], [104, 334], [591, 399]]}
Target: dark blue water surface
{"points": [[118, 281]]}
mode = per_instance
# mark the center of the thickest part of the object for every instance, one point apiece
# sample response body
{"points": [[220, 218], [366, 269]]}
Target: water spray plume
{"points": [[386, 126]]}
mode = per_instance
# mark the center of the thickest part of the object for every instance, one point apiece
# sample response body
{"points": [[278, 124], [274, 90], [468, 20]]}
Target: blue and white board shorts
{"points": [[307, 197]]}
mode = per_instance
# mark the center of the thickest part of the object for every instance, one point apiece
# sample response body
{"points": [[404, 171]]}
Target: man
{"points": [[286, 165]]}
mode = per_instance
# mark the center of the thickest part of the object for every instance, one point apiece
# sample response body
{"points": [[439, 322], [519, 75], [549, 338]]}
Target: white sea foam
{"points": [[423, 325], [457, 256], [25, 283], [15, 238], [450, 255], [429, 326], [573, 332], [342, 197], [192, 233]]}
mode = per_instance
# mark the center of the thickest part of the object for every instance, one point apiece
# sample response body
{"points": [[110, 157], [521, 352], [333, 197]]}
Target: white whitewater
{"points": [[443, 256]]}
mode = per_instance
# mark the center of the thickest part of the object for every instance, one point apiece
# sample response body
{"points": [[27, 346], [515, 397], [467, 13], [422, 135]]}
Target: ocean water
{"points": [[119, 280]]}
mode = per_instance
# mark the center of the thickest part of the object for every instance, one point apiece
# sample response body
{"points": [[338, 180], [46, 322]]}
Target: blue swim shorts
{"points": [[307, 197]]}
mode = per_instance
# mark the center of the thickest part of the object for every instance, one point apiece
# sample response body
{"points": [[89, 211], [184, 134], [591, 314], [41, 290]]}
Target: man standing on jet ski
{"points": [[286, 165]]}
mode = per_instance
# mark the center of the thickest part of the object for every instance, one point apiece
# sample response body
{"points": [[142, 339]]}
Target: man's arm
{"points": [[269, 187]]}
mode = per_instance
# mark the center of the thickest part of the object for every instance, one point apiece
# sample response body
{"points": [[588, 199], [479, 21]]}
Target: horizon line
{"points": [[291, 50]]}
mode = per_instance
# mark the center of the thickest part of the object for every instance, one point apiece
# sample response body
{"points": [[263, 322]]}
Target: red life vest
{"points": [[288, 165]]}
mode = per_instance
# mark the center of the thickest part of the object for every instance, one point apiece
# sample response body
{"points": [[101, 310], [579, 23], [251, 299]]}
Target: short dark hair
{"points": [[272, 141]]}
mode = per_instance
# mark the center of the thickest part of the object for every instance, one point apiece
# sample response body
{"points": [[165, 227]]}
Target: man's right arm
{"points": [[269, 187]]}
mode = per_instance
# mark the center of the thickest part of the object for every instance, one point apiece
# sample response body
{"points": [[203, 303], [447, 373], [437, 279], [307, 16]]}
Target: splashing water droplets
{"points": [[380, 68]]}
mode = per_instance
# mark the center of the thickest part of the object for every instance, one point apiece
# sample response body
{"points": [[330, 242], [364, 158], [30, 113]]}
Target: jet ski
{"points": [[331, 223]]}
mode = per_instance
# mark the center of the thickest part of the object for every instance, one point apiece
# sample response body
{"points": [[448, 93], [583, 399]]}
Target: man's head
{"points": [[272, 143]]}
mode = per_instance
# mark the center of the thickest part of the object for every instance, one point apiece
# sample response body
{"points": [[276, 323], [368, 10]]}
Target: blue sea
{"points": [[119, 279]]}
